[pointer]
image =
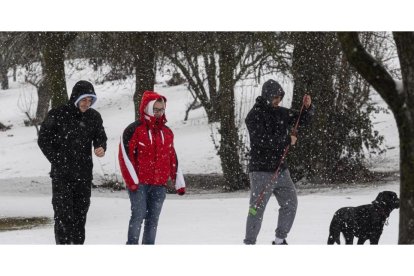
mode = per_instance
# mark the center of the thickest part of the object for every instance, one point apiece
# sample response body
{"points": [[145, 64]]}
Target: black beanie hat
{"points": [[81, 90], [271, 89]]}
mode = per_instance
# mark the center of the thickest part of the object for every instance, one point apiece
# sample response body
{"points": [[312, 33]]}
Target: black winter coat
{"points": [[269, 130], [66, 137]]}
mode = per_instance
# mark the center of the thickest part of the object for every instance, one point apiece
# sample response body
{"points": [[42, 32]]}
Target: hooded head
{"points": [[146, 109], [272, 89], [81, 90]]}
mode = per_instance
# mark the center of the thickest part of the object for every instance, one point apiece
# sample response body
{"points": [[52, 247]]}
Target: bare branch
{"points": [[370, 69]]}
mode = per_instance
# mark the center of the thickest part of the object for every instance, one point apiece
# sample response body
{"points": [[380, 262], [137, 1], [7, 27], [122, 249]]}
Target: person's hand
{"points": [[307, 100], [293, 140], [181, 191], [100, 152], [133, 187]]}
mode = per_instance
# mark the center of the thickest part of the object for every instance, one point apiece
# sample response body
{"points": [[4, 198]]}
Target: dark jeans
{"points": [[70, 200], [146, 203]]}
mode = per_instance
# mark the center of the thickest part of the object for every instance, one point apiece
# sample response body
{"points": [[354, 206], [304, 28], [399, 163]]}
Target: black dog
{"points": [[365, 222]]}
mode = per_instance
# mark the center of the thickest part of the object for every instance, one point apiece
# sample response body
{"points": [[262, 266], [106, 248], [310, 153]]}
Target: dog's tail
{"points": [[334, 230]]}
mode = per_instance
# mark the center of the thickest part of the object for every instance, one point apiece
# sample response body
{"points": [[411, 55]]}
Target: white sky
{"points": [[124, 15]]}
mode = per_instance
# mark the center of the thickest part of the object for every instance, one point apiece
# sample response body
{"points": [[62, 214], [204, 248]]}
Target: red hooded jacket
{"points": [[146, 151]]}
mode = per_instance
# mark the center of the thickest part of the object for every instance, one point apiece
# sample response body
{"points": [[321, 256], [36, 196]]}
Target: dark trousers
{"points": [[70, 200]]}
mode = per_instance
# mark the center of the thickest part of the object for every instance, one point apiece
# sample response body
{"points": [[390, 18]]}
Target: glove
{"points": [[181, 191], [133, 187]]}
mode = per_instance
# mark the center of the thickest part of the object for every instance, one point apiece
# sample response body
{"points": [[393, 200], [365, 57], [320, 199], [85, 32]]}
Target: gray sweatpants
{"points": [[261, 188]]}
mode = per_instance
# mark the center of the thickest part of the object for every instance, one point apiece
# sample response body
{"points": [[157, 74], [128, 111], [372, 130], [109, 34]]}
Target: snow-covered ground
{"points": [[208, 219], [192, 219]]}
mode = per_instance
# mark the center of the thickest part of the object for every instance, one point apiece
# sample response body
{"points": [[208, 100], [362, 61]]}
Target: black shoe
{"points": [[283, 243]]}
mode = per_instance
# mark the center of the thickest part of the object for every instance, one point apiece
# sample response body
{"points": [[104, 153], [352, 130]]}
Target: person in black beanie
{"points": [[269, 127], [66, 138]]}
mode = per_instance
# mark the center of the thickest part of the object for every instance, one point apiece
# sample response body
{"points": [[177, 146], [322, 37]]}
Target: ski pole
{"points": [[253, 210]]}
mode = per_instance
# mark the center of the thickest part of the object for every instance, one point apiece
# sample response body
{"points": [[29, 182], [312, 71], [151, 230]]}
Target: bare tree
{"points": [[25, 104], [6, 59], [24, 49], [4, 68], [234, 176], [313, 66], [399, 96], [144, 53], [43, 95], [128, 53], [53, 54], [197, 56]]}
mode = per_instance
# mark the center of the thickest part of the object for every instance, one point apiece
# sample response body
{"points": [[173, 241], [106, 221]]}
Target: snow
{"points": [[386, 125], [399, 86], [194, 219]]}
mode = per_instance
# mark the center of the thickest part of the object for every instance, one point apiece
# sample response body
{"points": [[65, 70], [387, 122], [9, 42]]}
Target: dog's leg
{"points": [[333, 240], [334, 230], [361, 240], [349, 240], [349, 237], [374, 240]]}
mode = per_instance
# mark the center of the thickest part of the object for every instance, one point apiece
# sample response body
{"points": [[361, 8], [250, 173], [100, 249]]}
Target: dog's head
{"points": [[388, 199]]}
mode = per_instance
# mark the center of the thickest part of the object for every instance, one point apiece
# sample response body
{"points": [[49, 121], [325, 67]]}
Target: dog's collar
{"points": [[381, 208]]}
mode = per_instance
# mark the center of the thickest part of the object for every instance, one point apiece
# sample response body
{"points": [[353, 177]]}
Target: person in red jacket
{"points": [[147, 160]]}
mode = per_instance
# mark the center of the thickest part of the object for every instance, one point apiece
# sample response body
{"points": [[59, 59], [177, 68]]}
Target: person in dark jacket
{"points": [[269, 127], [66, 138]]}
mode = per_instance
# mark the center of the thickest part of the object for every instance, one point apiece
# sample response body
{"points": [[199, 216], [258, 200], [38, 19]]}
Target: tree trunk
{"points": [[313, 68], [405, 122], [43, 102], [400, 100], [14, 73], [213, 113], [53, 52], [233, 173], [406, 134], [4, 80], [144, 66]]}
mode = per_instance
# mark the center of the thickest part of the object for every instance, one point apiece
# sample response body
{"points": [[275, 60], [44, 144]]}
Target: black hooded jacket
{"points": [[66, 137], [269, 130]]}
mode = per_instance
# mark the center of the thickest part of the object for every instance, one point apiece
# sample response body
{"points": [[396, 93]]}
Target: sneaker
{"points": [[283, 243]]}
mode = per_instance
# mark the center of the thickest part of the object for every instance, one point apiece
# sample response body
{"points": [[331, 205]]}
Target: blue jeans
{"points": [[146, 203]]}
